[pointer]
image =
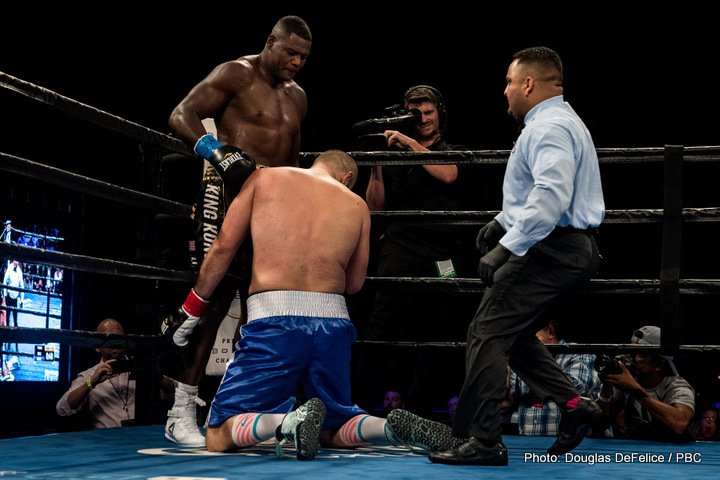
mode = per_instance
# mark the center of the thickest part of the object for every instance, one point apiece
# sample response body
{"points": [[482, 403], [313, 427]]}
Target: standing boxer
{"points": [[257, 108]]}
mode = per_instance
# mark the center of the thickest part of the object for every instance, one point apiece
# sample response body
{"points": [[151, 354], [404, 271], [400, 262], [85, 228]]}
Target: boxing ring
{"points": [[142, 452]]}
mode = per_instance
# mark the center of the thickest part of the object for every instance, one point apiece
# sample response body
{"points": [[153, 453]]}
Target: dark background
{"points": [[644, 80]]}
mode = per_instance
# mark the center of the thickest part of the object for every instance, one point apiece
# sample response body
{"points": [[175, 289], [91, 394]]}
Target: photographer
{"points": [[415, 251], [104, 392], [657, 403]]}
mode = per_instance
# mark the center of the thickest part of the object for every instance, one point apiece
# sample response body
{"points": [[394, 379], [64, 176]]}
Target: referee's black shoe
{"points": [[472, 452], [574, 425]]}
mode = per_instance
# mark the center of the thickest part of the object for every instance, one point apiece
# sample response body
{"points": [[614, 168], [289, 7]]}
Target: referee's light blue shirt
{"points": [[552, 177]]}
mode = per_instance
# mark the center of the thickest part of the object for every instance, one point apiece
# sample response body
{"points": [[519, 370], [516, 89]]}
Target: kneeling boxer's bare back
{"points": [[310, 235]]}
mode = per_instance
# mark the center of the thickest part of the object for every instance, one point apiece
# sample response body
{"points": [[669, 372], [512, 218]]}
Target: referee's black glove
{"points": [[490, 262], [488, 236]]}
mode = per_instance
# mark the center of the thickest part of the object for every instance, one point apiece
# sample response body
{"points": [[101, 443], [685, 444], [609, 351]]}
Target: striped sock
{"points": [[252, 428], [350, 434]]}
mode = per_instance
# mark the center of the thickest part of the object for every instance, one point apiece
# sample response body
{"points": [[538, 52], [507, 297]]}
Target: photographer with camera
{"points": [[414, 251], [106, 391], [657, 402]]}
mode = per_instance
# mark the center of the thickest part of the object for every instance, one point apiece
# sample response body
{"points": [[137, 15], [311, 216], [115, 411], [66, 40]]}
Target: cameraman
{"points": [[415, 251], [657, 402], [107, 397]]}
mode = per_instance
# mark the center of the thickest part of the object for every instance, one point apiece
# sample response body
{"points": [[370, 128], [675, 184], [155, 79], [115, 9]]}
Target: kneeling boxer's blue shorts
{"points": [[290, 337]]}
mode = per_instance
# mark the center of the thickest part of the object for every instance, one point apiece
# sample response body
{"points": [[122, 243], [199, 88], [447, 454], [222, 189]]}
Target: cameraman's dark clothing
{"points": [[413, 188], [639, 422], [412, 251]]}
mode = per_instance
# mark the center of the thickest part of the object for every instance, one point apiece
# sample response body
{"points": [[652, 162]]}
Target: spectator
{"points": [[657, 403], [108, 398], [452, 407], [57, 280], [706, 426], [12, 363], [14, 298], [3, 323], [539, 417], [393, 399], [6, 235], [3, 312]]}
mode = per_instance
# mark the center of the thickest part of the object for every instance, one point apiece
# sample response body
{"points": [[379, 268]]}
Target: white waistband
{"points": [[290, 302]]}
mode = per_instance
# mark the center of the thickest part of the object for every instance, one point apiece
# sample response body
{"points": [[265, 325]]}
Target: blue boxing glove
{"points": [[232, 164]]}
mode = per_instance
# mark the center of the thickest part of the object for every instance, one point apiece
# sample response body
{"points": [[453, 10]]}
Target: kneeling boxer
{"points": [[306, 256]]}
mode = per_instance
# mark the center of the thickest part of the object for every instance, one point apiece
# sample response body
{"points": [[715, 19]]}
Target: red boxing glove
{"points": [[194, 304]]}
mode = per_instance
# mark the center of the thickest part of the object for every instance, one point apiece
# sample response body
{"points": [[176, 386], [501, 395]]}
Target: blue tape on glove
{"points": [[206, 145]]}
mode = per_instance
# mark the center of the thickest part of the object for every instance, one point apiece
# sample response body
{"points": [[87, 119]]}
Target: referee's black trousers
{"points": [[526, 293]]}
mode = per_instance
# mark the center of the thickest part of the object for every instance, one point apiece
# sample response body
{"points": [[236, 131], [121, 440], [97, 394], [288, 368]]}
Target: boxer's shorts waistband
{"points": [[296, 303]]}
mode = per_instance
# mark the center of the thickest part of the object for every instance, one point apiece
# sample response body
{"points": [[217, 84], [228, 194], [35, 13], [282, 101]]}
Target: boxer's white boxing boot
{"points": [[182, 427]]}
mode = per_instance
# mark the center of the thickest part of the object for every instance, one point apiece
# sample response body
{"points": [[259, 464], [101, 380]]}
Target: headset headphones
{"points": [[440, 102]]}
